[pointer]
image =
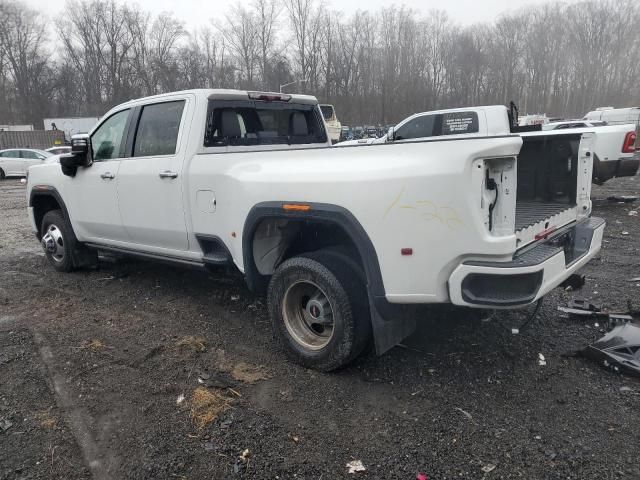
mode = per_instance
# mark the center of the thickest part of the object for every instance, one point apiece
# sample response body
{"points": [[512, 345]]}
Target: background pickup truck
{"points": [[345, 242], [614, 146]]}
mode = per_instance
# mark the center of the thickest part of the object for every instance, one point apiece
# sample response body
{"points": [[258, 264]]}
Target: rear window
{"points": [[327, 111], [246, 123]]}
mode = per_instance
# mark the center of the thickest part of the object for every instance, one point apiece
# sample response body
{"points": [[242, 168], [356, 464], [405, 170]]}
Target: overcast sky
{"points": [[198, 12]]}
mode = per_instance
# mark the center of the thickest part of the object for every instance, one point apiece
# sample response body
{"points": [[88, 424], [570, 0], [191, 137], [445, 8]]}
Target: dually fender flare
{"points": [[390, 323]]}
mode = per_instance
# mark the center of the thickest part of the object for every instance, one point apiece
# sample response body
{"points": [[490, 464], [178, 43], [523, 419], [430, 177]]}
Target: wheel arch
{"points": [[44, 198], [318, 214]]}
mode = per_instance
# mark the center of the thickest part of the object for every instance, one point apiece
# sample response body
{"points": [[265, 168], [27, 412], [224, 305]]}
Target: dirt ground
{"points": [[101, 371]]}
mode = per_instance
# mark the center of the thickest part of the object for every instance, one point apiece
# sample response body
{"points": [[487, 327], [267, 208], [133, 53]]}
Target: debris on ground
{"points": [[5, 424], [355, 466], [633, 213], [244, 372], [192, 343], [618, 349], [490, 467], [93, 344], [541, 360], [206, 405], [180, 399], [422, 476], [464, 412], [624, 232], [216, 380], [622, 198]]}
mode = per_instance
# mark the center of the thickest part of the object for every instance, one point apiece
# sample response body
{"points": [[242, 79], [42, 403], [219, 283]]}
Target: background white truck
{"points": [[613, 145], [346, 242]]}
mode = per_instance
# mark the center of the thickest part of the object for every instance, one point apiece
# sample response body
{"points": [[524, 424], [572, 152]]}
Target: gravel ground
{"points": [[93, 366]]}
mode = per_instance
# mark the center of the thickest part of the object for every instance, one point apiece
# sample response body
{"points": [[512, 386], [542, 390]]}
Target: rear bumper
{"points": [[531, 274], [622, 167]]}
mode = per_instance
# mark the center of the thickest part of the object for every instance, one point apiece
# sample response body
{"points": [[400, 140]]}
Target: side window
{"points": [[417, 128], [27, 155], [456, 123], [107, 139], [158, 129]]}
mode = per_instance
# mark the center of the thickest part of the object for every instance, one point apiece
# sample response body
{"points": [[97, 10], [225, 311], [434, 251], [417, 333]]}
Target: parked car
{"points": [[333, 124], [15, 162], [59, 150], [345, 242]]}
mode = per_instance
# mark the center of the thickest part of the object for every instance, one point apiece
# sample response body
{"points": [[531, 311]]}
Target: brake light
{"points": [[269, 97], [629, 145]]}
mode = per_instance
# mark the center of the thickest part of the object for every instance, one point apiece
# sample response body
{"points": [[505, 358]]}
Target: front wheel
{"points": [[319, 309], [58, 241]]}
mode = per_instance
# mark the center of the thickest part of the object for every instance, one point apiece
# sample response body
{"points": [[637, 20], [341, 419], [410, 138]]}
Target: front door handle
{"points": [[168, 174], [107, 175]]}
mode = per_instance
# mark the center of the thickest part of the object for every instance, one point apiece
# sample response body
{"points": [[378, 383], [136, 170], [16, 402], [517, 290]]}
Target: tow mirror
{"points": [[80, 155], [391, 134]]}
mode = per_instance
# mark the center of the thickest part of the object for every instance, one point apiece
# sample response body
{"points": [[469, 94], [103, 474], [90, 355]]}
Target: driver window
{"points": [[107, 139], [419, 127]]}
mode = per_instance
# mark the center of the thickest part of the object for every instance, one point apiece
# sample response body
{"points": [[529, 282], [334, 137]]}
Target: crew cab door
{"points": [[150, 178], [92, 195]]}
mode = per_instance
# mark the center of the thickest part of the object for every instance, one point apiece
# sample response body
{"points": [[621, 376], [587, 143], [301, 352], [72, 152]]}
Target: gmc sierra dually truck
{"points": [[346, 242]]}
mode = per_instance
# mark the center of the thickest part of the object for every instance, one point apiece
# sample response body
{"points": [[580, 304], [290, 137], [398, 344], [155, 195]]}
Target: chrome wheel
{"points": [[308, 314], [53, 243]]}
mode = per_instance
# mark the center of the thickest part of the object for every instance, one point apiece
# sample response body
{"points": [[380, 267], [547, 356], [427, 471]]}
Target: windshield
{"points": [[327, 111]]}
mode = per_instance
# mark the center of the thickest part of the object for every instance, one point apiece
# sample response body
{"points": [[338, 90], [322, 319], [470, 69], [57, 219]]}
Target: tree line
{"points": [[375, 67]]}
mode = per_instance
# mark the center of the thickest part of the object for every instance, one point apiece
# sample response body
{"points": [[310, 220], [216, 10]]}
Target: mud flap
{"points": [[398, 322]]}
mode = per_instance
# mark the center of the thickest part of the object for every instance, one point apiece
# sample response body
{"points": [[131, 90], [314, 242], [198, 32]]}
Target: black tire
{"points": [[64, 241], [2, 175], [347, 297]]}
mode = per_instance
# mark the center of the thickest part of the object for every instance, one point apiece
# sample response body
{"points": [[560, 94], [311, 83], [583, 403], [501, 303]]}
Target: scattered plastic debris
{"points": [[422, 476], [626, 389], [235, 298], [355, 466], [180, 399], [490, 467], [515, 331], [541, 360], [633, 213], [5, 424], [619, 349], [625, 233]]}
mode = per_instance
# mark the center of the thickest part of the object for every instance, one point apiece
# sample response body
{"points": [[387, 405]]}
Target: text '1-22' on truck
{"points": [[345, 242]]}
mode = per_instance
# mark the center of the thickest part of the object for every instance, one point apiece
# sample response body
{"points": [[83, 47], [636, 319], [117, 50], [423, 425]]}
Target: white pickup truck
{"points": [[614, 146], [346, 242]]}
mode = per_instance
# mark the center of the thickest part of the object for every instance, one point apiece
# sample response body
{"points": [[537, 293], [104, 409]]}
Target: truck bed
{"points": [[529, 213]]}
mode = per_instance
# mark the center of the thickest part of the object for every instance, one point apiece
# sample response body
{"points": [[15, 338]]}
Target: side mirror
{"points": [[80, 155], [391, 134]]}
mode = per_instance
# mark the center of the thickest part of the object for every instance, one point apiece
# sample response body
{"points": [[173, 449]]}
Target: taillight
{"points": [[629, 145]]}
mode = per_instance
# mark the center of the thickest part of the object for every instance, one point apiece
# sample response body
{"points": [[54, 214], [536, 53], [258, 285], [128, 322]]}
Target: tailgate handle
{"points": [[107, 176]]}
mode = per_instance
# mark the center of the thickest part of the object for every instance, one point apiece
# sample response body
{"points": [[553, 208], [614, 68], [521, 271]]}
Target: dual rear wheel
{"points": [[319, 308]]}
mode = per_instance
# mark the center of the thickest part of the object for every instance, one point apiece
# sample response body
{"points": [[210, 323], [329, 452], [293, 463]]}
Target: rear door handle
{"points": [[108, 175], [168, 174]]}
